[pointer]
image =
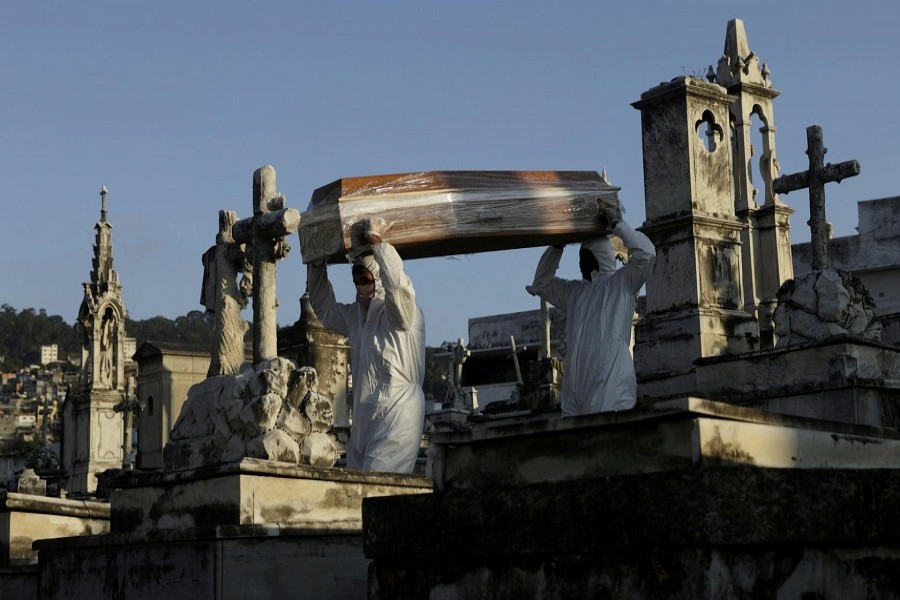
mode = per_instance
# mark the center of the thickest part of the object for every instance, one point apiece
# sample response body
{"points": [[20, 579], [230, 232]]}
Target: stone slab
{"points": [[25, 519], [674, 435], [242, 562], [250, 492], [846, 378], [438, 213]]}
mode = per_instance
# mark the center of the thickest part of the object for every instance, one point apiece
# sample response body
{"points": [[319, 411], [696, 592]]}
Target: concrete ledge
{"points": [[673, 435], [25, 518], [250, 492], [231, 563], [12, 501]]}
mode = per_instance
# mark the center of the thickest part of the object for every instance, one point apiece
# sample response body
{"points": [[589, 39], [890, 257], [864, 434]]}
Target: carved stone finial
{"points": [[603, 175], [742, 63]]}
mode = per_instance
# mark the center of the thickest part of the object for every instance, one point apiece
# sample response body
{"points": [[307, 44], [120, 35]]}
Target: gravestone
{"points": [[270, 409], [824, 302]]}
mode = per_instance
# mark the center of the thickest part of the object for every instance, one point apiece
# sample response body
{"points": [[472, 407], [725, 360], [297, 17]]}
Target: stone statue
{"points": [[107, 338], [222, 295]]}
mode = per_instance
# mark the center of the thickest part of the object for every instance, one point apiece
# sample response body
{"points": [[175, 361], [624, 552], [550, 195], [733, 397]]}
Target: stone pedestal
{"points": [[244, 529], [97, 432], [25, 519], [674, 435], [249, 492], [848, 379]]}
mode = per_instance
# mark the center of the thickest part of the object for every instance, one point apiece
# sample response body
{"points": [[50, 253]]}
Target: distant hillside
{"points": [[23, 333]]}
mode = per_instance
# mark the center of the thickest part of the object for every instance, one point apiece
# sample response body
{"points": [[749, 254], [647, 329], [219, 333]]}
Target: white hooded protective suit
{"points": [[599, 368], [387, 359]]}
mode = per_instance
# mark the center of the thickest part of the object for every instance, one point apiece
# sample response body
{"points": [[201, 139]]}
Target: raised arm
{"points": [[334, 316], [399, 295], [641, 255], [546, 284]]}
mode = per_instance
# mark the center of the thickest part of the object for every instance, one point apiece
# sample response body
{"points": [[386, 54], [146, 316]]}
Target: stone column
{"points": [[695, 296]]}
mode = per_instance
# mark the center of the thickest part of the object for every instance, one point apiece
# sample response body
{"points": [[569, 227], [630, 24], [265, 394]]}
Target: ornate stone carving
{"points": [[821, 304], [270, 411], [225, 297]]}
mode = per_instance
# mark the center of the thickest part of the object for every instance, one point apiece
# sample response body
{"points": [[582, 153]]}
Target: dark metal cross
{"points": [[815, 179]]}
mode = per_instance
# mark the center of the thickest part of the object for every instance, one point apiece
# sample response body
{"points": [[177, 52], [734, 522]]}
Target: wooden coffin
{"points": [[441, 213]]}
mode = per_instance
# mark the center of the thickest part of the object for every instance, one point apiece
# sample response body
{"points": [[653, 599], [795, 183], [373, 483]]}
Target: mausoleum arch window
{"points": [[760, 112], [709, 131]]}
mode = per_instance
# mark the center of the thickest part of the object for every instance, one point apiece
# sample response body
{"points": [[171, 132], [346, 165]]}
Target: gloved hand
{"points": [[375, 229], [356, 251], [611, 216]]}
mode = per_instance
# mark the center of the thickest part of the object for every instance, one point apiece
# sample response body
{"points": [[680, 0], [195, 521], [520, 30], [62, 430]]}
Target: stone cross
{"points": [[265, 232], [545, 328], [128, 407], [45, 413], [815, 179], [458, 357]]}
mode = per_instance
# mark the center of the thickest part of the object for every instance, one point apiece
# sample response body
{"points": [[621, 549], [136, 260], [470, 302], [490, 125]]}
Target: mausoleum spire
{"points": [[739, 64], [92, 440], [103, 276]]}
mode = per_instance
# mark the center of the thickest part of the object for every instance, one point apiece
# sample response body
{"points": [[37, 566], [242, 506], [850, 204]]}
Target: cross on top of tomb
{"points": [[265, 232], [815, 179]]}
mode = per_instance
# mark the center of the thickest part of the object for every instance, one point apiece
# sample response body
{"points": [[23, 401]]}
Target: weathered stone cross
{"points": [[265, 232], [45, 413], [129, 407], [815, 179]]}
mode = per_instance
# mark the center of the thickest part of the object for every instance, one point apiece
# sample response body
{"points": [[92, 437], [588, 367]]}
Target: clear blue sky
{"points": [[172, 105]]}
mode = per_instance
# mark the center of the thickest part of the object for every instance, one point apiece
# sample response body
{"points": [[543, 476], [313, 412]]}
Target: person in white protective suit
{"points": [[599, 309], [387, 354]]}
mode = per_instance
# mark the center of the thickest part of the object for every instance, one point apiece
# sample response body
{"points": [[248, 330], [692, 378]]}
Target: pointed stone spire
{"points": [[103, 275], [738, 63], [92, 431]]}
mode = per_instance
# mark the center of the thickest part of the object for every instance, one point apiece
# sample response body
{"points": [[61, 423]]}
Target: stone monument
{"points": [[92, 431], [765, 236], [824, 302], [267, 410]]}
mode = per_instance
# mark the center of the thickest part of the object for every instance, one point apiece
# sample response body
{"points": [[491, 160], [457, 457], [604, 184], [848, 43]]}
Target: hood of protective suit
{"points": [[368, 262], [601, 248]]}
